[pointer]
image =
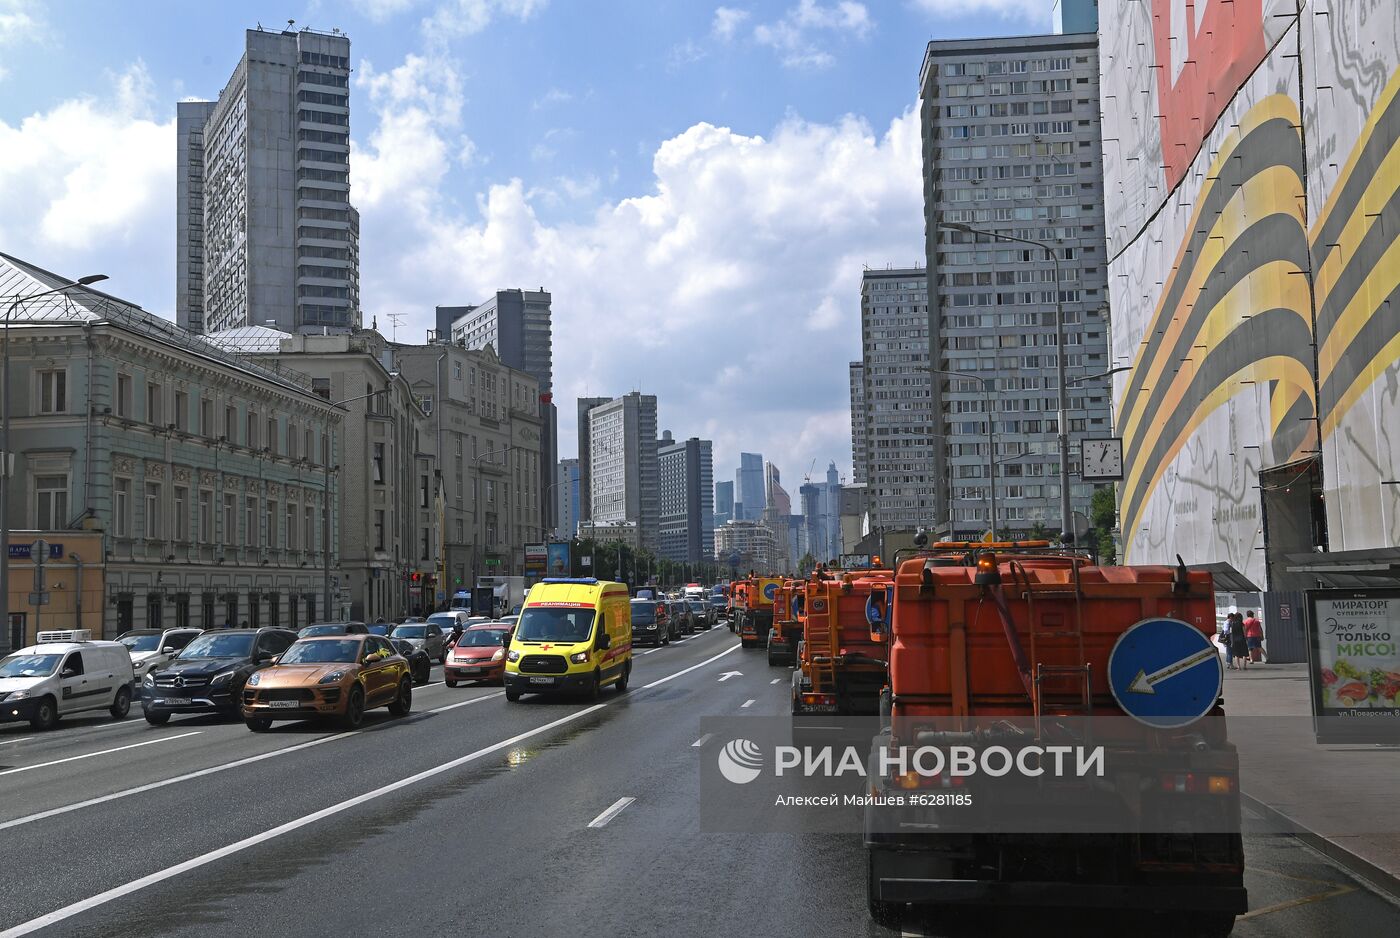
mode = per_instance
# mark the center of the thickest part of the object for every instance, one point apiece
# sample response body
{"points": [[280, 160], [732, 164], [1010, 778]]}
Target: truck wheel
{"points": [[888, 914], [626, 675], [512, 694], [595, 689]]}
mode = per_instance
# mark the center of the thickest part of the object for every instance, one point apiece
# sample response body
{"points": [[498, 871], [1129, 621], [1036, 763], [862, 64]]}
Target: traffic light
{"points": [[415, 577]]}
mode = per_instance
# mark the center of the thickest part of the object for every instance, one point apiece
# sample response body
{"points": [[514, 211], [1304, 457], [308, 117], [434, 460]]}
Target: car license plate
{"points": [[541, 680], [284, 704]]}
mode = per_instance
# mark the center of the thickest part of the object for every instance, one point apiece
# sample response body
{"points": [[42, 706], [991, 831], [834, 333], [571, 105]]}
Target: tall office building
{"points": [[724, 503], [516, 323], [898, 437], [749, 496], [265, 234], [687, 508], [622, 464], [1012, 146], [585, 456], [568, 500], [860, 447]]}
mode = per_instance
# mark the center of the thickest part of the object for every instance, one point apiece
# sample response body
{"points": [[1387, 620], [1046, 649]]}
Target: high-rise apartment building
{"points": [[687, 484], [567, 499], [585, 456], [516, 323], [860, 451], [1012, 147], [898, 430], [265, 233], [622, 464], [749, 495]]}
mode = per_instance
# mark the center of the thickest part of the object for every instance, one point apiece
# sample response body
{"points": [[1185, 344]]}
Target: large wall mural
{"points": [[1252, 176]]}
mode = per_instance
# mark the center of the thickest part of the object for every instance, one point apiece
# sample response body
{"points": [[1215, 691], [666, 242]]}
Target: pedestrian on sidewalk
{"points": [[1254, 636], [1223, 639], [1239, 645]]}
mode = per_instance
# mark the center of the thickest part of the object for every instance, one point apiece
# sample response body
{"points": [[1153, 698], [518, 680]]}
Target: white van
{"points": [[66, 673]]}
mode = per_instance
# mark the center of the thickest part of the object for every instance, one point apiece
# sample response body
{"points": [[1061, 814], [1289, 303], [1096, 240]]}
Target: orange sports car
{"points": [[339, 676]]}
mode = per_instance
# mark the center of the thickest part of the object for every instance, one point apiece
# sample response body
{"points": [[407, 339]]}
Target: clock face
{"points": [[1102, 459]]}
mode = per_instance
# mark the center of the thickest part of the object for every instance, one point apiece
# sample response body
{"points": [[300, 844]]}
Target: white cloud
{"points": [[89, 186], [792, 36], [1036, 11], [20, 20], [550, 98], [457, 18], [727, 21], [380, 10], [683, 54], [742, 259]]}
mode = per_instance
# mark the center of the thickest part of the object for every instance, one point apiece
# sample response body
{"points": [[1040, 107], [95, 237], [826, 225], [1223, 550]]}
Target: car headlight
{"points": [[149, 680], [18, 695], [579, 657], [255, 679], [332, 678], [223, 678], [512, 655]]}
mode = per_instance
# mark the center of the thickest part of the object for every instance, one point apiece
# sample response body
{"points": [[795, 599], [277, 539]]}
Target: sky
{"points": [[698, 185]]}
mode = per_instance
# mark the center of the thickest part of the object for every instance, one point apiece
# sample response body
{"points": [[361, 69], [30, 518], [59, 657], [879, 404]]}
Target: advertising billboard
{"points": [[559, 560], [1354, 665]]}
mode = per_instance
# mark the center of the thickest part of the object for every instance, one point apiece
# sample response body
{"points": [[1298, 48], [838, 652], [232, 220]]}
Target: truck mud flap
{"points": [[1163, 898]]}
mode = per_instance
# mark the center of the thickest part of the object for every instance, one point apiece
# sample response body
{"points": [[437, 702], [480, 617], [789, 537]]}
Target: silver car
{"points": [[425, 635]]}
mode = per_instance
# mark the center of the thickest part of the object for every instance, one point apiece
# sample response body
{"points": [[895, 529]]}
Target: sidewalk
{"points": [[1345, 798]]}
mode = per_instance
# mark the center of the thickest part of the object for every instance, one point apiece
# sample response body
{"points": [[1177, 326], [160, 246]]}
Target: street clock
{"points": [[1101, 460]]}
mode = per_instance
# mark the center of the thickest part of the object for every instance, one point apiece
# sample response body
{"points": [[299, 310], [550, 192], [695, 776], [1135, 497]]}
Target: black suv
{"points": [[209, 673]]}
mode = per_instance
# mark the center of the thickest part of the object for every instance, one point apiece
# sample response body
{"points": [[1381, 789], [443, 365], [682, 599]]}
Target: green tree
{"points": [[1103, 514], [806, 564]]}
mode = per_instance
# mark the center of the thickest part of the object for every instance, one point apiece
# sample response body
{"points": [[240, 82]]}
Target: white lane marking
{"points": [[136, 885], [617, 808], [427, 685], [150, 786], [746, 704], [651, 652], [59, 737], [776, 680], [701, 741], [212, 770], [467, 703], [102, 752], [671, 677]]}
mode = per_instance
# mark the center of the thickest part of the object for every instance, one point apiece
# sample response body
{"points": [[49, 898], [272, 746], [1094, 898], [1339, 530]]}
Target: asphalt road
{"points": [[474, 816]]}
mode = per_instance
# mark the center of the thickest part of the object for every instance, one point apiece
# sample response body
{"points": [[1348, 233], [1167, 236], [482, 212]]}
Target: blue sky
{"points": [[697, 183]]}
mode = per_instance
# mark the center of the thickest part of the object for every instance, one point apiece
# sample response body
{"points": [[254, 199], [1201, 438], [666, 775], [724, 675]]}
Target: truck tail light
{"points": [[828, 700], [1196, 784]]}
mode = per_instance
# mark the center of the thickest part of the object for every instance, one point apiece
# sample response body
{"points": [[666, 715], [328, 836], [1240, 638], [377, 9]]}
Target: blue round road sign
{"points": [[770, 591], [1165, 673]]}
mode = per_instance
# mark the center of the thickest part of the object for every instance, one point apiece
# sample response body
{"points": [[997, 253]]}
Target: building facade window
{"points": [[182, 513], [53, 391], [154, 531], [205, 531], [230, 520], [154, 411], [123, 395], [50, 502], [121, 507], [250, 522]]}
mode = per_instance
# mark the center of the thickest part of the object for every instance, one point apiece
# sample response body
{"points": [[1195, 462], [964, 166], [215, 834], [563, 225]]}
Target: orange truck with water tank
{"points": [[1032, 650], [786, 631], [841, 670], [755, 616]]}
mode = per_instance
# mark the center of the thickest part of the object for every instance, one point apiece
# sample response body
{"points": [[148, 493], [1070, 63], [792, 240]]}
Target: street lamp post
{"points": [[1062, 427], [6, 460], [477, 510], [988, 385]]}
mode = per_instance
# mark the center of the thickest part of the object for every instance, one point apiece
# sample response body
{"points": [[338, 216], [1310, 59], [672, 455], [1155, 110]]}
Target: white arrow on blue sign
{"points": [[1165, 673]]}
